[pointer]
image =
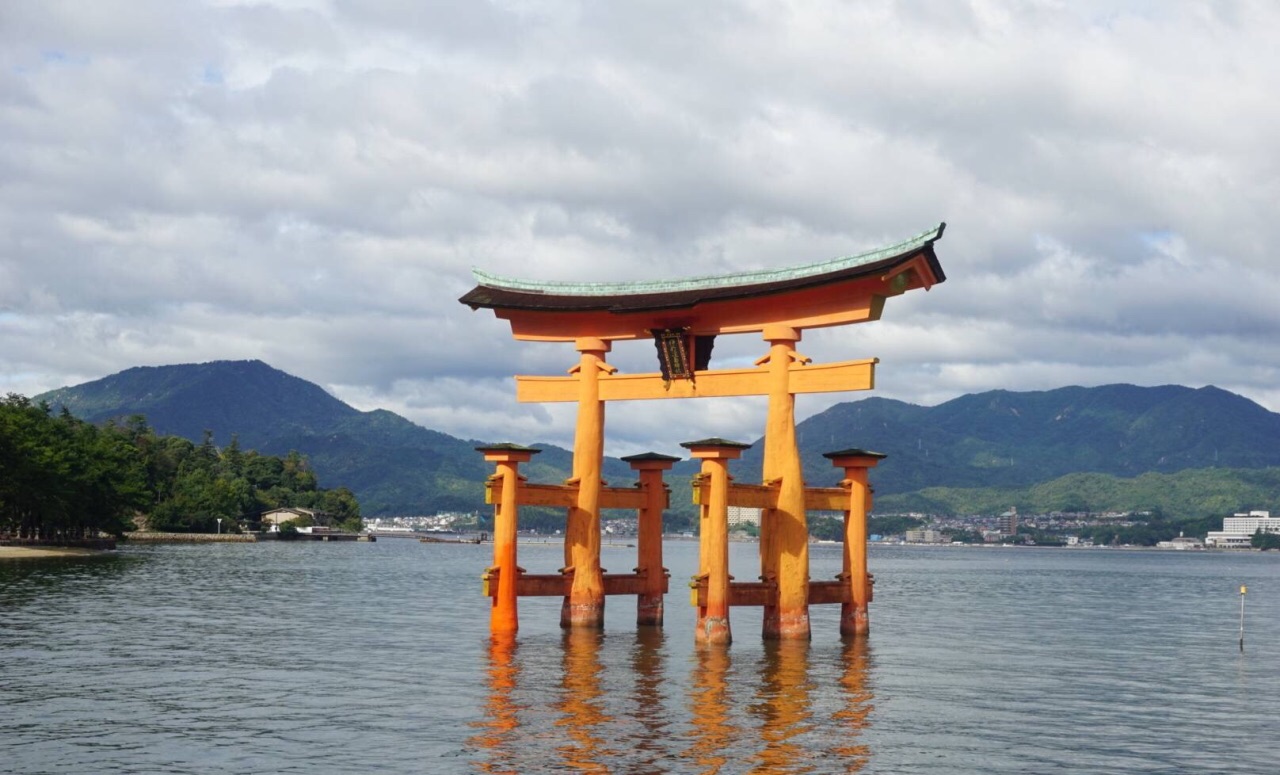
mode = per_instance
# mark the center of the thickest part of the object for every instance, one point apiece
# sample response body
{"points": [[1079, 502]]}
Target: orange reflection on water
{"points": [[795, 738], [713, 734], [795, 709], [649, 718], [582, 703], [858, 702], [783, 706], [497, 729]]}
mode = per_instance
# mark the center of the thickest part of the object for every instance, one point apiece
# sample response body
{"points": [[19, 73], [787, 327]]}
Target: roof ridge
{"points": [[709, 281]]}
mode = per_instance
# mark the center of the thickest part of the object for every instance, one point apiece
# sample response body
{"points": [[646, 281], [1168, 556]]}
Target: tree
{"points": [[342, 507], [1265, 541], [297, 473], [827, 528], [63, 479], [892, 524], [965, 536]]}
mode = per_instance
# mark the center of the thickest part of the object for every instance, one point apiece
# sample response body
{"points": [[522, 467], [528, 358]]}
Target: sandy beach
{"points": [[34, 552]]}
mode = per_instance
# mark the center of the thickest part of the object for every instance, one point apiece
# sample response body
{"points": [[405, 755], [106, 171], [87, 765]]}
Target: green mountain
{"points": [[1003, 439], [971, 454], [1191, 494], [393, 465], [248, 398]]}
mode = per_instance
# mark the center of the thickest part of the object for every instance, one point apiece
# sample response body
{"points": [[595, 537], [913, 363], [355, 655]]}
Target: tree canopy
{"points": [[63, 479], [1264, 540]]}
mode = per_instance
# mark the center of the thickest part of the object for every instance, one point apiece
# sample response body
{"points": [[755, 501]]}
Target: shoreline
{"points": [[46, 552]]}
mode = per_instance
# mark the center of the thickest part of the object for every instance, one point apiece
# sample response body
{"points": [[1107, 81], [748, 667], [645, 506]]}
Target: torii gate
{"points": [[683, 317]]}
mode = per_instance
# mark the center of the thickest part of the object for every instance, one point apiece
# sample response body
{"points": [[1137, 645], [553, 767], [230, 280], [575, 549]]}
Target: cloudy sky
{"points": [[309, 182]]}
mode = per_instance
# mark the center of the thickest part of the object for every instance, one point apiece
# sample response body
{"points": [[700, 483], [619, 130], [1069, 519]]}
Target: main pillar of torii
{"points": [[682, 318]]}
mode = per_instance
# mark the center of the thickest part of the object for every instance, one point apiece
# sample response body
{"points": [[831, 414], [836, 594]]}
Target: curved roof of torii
{"points": [[495, 292], [650, 303]]}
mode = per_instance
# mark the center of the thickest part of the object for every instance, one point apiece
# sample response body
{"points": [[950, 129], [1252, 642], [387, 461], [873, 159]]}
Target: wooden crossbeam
{"points": [[753, 593], [763, 496], [740, 592], [826, 499], [760, 593], [813, 378], [559, 584], [821, 592], [755, 496], [566, 495]]}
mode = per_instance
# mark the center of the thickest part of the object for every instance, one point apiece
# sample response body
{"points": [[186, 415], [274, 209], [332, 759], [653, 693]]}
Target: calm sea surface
{"points": [[375, 658]]}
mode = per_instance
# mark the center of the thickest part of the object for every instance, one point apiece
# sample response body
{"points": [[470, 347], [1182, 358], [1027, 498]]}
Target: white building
{"points": [[277, 517], [1238, 529], [923, 535], [743, 515], [1181, 543]]}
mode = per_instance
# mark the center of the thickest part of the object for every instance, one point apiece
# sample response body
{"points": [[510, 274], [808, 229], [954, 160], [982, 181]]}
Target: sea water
{"points": [[375, 658]]}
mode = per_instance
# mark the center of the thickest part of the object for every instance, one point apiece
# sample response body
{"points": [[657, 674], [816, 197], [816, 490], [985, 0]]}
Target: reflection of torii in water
{"points": [[683, 317]]}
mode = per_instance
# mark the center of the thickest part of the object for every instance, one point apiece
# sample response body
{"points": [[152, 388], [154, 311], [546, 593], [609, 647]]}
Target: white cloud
{"points": [[309, 183]]}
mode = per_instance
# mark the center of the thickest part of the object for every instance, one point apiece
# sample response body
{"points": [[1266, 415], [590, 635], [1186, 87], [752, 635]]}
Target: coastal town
{"points": [[1069, 529]]}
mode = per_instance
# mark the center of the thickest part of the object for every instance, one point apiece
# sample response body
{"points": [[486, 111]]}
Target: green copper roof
{"points": [[715, 441], [508, 446], [715, 281]]}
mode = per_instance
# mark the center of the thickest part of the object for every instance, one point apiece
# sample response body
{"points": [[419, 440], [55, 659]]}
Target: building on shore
{"points": [[272, 520], [743, 515], [1182, 542], [924, 535], [1008, 522], [1238, 529]]}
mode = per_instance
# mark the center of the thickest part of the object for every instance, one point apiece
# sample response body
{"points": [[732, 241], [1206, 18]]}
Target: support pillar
{"points": [[584, 607], [713, 607], [650, 465], [502, 577], [784, 531], [854, 619]]}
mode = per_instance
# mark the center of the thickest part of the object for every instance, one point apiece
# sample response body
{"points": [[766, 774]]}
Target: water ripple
{"points": [[337, 658]]}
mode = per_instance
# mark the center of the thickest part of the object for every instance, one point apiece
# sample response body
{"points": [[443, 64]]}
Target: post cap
{"points": [[715, 441], [715, 448], [854, 457], [651, 460], [854, 452], [507, 452]]}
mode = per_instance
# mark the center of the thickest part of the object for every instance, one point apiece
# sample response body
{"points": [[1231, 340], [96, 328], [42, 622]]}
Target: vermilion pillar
{"points": [[713, 608], [854, 618], [505, 573], [650, 466], [784, 531], [584, 607]]}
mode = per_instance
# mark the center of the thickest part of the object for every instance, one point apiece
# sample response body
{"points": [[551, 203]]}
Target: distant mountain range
{"points": [[392, 465], [1000, 441], [1007, 439]]}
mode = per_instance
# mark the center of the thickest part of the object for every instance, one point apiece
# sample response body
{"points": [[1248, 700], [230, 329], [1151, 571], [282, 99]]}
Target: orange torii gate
{"points": [[683, 318]]}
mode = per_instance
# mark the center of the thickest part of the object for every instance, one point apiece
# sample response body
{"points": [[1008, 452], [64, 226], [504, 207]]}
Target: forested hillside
{"points": [[978, 452], [1003, 439], [393, 465], [65, 479], [1189, 494]]}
